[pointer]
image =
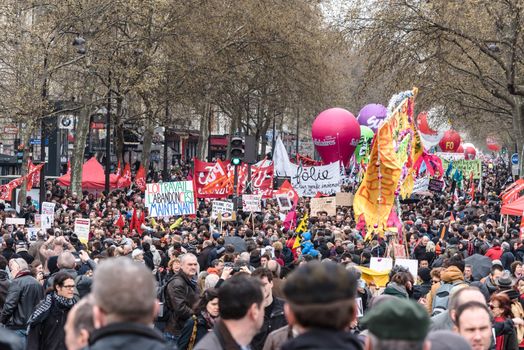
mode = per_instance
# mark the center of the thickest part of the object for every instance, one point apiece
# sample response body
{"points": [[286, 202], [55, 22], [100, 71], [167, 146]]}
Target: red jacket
{"points": [[494, 253]]}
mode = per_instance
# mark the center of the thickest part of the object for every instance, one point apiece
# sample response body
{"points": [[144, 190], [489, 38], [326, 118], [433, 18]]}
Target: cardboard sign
{"points": [[344, 199], [15, 221], [81, 229], [170, 198], [222, 210], [410, 264], [284, 202], [324, 204], [381, 264], [436, 185], [251, 202]]}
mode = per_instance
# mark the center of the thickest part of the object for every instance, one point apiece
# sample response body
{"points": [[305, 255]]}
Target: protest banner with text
{"points": [[170, 198]]}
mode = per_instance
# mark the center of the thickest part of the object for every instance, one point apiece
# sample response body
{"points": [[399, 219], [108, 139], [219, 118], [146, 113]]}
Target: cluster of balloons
{"points": [[337, 134]]}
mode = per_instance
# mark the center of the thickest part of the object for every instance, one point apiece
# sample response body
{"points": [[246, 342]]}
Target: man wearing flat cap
{"points": [[321, 306], [399, 324]]}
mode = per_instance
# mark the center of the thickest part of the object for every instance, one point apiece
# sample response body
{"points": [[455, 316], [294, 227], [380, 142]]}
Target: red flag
{"points": [[6, 191], [140, 178], [137, 221], [522, 227], [125, 180], [200, 180], [121, 222], [33, 175], [118, 170]]}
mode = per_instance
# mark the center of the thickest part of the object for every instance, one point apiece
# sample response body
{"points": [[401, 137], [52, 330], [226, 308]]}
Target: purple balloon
{"points": [[371, 115]]}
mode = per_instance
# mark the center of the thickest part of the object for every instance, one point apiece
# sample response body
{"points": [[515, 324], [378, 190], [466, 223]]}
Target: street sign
{"points": [[515, 158]]}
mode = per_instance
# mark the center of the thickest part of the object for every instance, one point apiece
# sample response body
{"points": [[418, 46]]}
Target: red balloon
{"points": [[492, 144], [450, 142], [422, 124], [336, 133], [470, 153]]}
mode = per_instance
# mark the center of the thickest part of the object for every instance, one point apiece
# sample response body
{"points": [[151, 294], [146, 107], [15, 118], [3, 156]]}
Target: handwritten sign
{"points": [[251, 202], [344, 199], [309, 180], [421, 185], [81, 229], [466, 166], [324, 204], [15, 221], [48, 215], [222, 209], [170, 198]]}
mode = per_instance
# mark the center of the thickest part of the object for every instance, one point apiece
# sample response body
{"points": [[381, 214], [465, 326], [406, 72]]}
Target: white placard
{"points": [[46, 221], [410, 264], [309, 180], [360, 307], [225, 209], [48, 208], [381, 264], [284, 202], [15, 221], [81, 229], [251, 202]]}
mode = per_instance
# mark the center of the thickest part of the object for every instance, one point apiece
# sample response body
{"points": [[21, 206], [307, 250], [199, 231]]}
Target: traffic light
{"points": [[236, 152]]}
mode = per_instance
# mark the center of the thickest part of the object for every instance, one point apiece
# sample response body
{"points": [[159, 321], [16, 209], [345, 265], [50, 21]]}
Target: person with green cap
{"points": [[399, 324]]}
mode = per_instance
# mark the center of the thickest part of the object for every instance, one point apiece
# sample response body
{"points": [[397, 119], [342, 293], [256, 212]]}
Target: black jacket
{"points": [[129, 336], [22, 297], [206, 256], [49, 333], [182, 294], [323, 339], [273, 319], [4, 287], [202, 329]]}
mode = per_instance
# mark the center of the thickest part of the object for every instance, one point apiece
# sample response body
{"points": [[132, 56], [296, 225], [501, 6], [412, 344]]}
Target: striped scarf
{"points": [[43, 309]]}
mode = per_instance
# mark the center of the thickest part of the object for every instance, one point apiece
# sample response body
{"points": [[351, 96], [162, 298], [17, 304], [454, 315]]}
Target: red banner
{"points": [[207, 175], [6, 191]]}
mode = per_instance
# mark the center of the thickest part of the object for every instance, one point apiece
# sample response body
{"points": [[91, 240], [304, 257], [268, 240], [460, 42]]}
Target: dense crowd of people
{"points": [[191, 283]]}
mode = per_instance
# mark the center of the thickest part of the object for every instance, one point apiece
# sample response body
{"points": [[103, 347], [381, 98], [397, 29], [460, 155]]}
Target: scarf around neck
{"points": [[43, 309]]}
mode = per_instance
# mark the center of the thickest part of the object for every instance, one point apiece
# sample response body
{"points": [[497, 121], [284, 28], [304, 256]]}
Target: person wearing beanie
{"points": [[321, 306], [397, 324]]}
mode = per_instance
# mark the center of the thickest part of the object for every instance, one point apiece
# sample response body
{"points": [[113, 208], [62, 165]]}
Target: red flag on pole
{"points": [[125, 179], [140, 178]]}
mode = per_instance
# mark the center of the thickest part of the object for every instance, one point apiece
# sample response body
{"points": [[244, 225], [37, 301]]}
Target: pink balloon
{"points": [[336, 133]]}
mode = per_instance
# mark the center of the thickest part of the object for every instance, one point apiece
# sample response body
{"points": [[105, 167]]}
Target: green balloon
{"points": [[364, 144]]}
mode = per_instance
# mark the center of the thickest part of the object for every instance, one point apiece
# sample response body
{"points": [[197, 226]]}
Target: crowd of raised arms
{"points": [[192, 283]]}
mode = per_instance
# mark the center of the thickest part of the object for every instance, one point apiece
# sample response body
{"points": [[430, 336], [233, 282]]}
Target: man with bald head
{"points": [[182, 294], [123, 314]]}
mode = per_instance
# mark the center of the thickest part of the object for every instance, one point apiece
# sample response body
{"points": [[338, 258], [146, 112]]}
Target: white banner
{"points": [[421, 185], [450, 156], [309, 180]]}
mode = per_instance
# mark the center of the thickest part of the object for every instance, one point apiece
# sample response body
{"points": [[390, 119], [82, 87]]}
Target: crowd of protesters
{"points": [[190, 283]]}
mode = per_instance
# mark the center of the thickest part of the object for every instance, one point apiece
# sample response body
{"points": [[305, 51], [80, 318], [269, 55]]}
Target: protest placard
{"points": [[81, 229], [323, 204], [38, 221], [222, 210], [48, 208], [381, 264], [410, 264], [436, 185], [251, 202], [344, 199], [48, 215], [31, 234], [170, 198], [15, 221], [283, 201]]}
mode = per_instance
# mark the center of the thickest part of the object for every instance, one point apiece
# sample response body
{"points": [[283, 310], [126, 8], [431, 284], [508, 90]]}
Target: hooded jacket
{"points": [[452, 274]]}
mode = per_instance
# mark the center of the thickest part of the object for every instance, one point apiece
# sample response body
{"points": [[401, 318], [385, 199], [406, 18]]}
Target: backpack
{"points": [[441, 299], [163, 298]]}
